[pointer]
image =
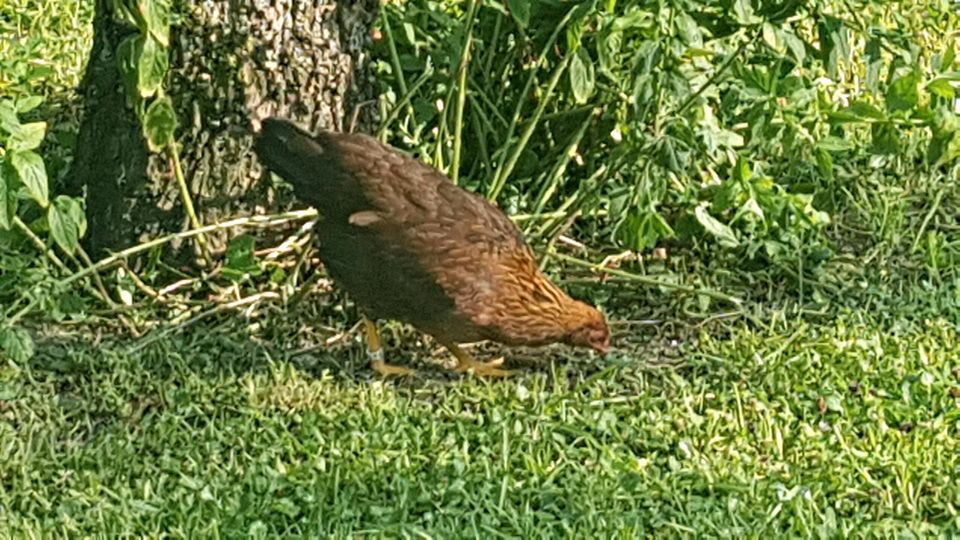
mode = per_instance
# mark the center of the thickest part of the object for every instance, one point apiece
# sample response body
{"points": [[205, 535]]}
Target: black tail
{"points": [[313, 164], [293, 154]]}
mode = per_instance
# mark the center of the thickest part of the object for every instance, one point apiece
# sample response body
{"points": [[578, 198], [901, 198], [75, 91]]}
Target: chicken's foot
{"points": [[468, 364], [375, 353]]}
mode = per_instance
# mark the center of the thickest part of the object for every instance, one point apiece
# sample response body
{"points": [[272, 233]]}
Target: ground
{"points": [[826, 409], [833, 425]]}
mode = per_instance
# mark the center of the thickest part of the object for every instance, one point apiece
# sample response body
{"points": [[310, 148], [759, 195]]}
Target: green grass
{"points": [[845, 426], [832, 410], [44, 45]]}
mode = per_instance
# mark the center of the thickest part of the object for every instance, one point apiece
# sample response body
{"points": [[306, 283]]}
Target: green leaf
{"points": [[241, 259], [16, 344], [520, 10], [722, 232], [608, 47], [727, 138], [128, 58], [689, 30], [875, 63], [8, 199], [643, 229], [151, 67], [743, 9], [67, 222], [156, 13], [860, 111], [743, 170], [9, 391], [410, 33], [863, 109], [903, 95], [27, 136], [942, 88], [32, 173], [128, 13], [950, 76], [751, 207], [946, 61], [666, 154], [843, 117], [825, 163], [886, 139], [834, 43], [278, 276], [770, 37], [635, 19], [574, 34], [8, 116], [944, 150], [945, 144], [28, 104], [794, 44], [727, 195], [160, 124], [834, 144], [582, 76]]}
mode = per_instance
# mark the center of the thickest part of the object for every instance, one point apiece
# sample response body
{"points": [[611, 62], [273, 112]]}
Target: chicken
{"points": [[409, 245]]}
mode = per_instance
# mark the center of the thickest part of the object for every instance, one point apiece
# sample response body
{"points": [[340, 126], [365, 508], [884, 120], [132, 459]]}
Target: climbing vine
{"points": [[144, 62]]}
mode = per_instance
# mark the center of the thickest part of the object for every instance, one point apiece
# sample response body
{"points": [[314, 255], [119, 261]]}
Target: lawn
{"points": [[845, 424], [826, 406]]}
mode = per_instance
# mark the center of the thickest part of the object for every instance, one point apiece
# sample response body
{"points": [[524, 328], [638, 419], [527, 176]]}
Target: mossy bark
{"points": [[232, 63]]}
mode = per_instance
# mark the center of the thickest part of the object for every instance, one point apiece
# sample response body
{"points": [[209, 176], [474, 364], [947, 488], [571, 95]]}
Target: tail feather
{"points": [[300, 158]]}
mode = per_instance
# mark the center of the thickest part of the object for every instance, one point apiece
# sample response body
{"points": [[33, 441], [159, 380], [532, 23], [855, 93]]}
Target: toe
{"points": [[388, 370], [489, 369]]}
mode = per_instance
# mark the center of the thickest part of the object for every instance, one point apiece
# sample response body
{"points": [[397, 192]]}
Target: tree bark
{"points": [[231, 64]]}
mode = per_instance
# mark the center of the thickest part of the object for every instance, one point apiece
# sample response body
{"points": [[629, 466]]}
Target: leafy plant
{"points": [[24, 195], [143, 59], [716, 123], [911, 103], [42, 50]]}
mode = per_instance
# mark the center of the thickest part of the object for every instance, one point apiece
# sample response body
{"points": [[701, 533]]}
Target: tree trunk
{"points": [[231, 63]]}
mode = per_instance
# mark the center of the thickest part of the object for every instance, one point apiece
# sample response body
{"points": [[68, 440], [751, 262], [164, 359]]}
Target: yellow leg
{"points": [[375, 353], [467, 363]]}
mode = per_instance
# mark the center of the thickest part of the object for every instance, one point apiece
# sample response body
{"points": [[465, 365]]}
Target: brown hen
{"points": [[407, 244]]}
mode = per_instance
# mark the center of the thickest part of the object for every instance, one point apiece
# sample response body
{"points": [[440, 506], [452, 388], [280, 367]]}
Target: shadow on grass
{"points": [[222, 423], [232, 348]]}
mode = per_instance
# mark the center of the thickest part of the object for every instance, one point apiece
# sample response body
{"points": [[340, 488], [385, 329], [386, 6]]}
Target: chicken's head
{"points": [[588, 328]]}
